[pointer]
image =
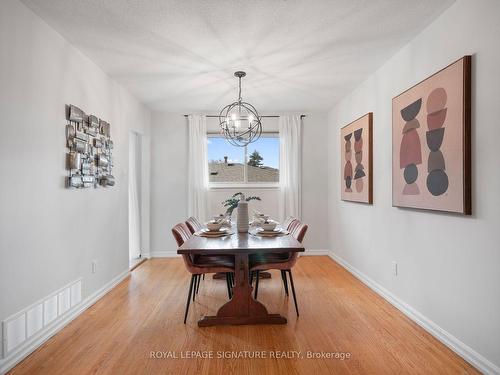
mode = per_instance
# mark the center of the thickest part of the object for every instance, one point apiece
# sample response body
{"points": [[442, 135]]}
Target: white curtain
{"points": [[197, 167], [134, 214], [290, 128]]}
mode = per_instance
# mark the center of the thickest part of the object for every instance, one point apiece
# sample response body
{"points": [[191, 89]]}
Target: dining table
{"points": [[242, 308]]}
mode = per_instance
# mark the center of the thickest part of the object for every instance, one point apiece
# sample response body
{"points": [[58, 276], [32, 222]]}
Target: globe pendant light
{"points": [[239, 121]]}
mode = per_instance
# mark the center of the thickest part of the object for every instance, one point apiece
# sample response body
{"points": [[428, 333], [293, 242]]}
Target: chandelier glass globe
{"points": [[239, 121]]}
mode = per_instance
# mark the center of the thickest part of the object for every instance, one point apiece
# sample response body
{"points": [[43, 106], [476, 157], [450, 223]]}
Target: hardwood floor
{"points": [[338, 313]]}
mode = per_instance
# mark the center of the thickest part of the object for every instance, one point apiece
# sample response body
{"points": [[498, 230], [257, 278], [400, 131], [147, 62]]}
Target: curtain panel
{"points": [[290, 128], [197, 167]]}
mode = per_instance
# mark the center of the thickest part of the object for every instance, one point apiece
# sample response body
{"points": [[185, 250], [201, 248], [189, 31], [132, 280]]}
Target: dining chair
{"points": [[201, 264], [280, 261], [286, 223], [289, 224], [294, 223], [193, 224]]}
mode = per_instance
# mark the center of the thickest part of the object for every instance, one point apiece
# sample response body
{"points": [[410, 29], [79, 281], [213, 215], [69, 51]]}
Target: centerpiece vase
{"points": [[242, 218]]}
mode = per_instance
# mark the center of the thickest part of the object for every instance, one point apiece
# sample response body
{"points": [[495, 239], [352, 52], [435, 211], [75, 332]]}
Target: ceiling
{"points": [[180, 55]]}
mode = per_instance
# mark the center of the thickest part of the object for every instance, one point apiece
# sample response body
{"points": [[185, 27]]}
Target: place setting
{"points": [[217, 227], [263, 226]]}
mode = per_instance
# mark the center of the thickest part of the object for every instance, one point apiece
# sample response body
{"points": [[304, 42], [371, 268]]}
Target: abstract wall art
{"points": [[90, 157], [357, 160], [431, 166]]}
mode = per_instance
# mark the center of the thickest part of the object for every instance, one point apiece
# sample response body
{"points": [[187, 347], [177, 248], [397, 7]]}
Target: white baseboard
{"points": [[164, 254], [17, 356], [173, 253], [314, 252], [467, 353]]}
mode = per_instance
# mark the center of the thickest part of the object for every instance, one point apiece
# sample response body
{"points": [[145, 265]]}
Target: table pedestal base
{"points": [[222, 275], [242, 308], [208, 321]]}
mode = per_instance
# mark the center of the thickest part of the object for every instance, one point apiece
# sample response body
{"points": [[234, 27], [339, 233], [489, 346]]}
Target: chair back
{"points": [[181, 233], [193, 224], [299, 231], [287, 222], [293, 224]]}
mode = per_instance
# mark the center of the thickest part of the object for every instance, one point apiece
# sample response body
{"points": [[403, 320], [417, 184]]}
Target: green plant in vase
{"points": [[231, 203]]}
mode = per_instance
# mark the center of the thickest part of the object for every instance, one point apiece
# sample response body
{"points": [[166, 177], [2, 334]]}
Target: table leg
{"points": [[242, 308]]}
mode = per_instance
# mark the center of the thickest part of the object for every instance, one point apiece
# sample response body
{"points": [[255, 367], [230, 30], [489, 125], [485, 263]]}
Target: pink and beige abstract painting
{"points": [[431, 142], [356, 160]]}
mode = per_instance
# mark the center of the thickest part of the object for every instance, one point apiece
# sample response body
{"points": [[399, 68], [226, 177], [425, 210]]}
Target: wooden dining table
{"points": [[242, 308]]}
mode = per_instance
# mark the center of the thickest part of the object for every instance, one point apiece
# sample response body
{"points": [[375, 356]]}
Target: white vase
{"points": [[242, 218]]}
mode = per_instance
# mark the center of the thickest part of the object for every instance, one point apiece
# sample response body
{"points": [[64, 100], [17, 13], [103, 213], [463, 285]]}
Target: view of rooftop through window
{"points": [[256, 163]]}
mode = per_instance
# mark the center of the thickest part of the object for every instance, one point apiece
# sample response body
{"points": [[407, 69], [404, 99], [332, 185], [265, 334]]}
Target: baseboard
{"points": [[467, 353], [17, 356], [314, 252], [173, 253], [163, 254]]}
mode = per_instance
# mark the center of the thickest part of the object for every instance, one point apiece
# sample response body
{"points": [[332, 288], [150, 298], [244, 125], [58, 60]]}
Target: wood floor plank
{"points": [[144, 314]]}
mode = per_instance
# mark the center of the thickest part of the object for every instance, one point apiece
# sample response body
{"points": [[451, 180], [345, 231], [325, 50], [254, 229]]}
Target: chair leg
{"points": [[256, 284], [198, 284], [285, 282], [229, 294], [203, 276], [293, 292], [194, 286], [251, 277], [189, 297]]}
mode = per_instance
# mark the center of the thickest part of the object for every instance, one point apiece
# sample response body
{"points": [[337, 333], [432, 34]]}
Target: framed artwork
{"points": [[431, 145], [357, 160]]}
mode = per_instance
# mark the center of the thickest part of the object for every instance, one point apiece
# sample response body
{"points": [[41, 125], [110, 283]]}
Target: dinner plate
{"points": [[213, 234], [269, 233], [219, 231]]}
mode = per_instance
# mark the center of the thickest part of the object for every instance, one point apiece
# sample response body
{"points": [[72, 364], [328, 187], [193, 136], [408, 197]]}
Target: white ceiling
{"points": [[180, 55]]}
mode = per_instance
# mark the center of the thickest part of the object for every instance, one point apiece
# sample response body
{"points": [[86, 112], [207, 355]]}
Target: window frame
{"points": [[245, 184]]}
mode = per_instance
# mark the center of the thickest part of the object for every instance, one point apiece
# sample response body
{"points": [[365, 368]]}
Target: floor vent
{"points": [[27, 324]]}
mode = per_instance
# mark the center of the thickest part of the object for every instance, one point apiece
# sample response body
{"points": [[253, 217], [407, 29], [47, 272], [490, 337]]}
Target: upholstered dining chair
{"points": [[201, 264], [193, 224], [289, 224], [286, 223], [294, 223], [280, 261]]}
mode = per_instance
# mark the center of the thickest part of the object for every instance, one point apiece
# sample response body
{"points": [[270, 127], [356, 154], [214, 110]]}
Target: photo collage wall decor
{"points": [[90, 156]]}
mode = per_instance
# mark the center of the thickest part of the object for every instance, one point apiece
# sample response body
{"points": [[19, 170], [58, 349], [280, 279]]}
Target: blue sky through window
{"points": [[268, 147]]}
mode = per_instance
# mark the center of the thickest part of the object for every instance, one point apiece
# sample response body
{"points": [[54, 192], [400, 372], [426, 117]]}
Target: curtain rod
{"points": [[268, 116]]}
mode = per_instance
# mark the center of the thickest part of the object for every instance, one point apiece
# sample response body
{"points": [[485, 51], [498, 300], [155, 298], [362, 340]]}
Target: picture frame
{"points": [[356, 155], [431, 142]]}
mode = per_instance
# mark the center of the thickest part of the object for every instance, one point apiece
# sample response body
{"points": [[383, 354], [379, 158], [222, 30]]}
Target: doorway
{"points": [[134, 198]]}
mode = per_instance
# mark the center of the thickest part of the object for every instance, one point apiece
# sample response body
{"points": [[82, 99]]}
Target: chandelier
{"points": [[239, 121]]}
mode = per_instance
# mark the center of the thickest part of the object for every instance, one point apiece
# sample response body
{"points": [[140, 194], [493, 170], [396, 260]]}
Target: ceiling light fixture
{"points": [[239, 121]]}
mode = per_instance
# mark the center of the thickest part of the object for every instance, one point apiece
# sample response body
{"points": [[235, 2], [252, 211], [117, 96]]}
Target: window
{"points": [[255, 164]]}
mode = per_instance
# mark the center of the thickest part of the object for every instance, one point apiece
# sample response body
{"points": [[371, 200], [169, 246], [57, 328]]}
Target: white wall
{"points": [[314, 180], [49, 234], [169, 180], [448, 264]]}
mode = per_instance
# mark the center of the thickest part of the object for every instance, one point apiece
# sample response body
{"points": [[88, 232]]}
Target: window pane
{"points": [[225, 161], [263, 160]]}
